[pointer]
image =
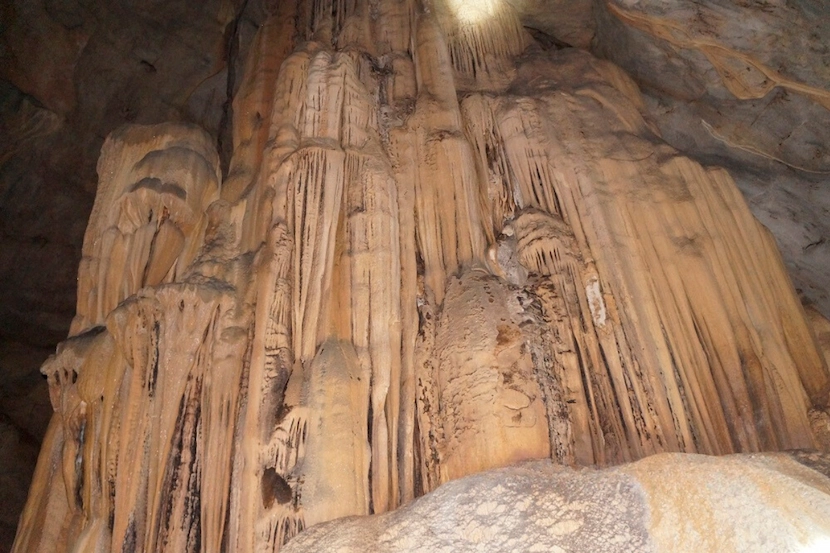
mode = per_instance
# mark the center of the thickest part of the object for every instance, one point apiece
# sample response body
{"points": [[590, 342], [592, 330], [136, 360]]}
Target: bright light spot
{"points": [[598, 312], [817, 545], [473, 11]]}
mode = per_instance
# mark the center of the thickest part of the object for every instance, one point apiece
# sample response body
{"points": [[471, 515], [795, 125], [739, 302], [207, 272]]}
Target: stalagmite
{"points": [[478, 393], [439, 249]]}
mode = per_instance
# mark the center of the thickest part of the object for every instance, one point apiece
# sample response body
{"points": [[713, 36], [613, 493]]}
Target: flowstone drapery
{"points": [[439, 249]]}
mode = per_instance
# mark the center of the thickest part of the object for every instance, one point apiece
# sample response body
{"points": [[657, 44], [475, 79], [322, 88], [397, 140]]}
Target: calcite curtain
{"points": [[440, 248]]}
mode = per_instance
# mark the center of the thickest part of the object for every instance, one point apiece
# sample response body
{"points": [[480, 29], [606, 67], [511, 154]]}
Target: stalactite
{"points": [[148, 220], [483, 37], [436, 252]]}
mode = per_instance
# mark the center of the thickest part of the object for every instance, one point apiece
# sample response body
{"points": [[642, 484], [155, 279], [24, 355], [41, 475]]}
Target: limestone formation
{"points": [[669, 503], [439, 249], [717, 65], [745, 85]]}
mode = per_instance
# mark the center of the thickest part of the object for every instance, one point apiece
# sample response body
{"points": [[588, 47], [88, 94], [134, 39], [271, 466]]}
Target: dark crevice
{"points": [[371, 495], [818, 242], [275, 488], [79, 466], [546, 41], [154, 370], [224, 141], [147, 66]]}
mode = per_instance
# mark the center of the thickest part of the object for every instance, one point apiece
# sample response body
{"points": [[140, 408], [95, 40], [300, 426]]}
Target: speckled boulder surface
{"points": [[664, 503]]}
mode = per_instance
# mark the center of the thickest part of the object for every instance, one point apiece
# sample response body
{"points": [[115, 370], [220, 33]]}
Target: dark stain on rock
{"points": [[274, 488], [506, 334]]}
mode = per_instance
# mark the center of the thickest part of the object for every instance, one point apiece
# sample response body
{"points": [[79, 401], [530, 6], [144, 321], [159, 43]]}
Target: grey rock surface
{"points": [[746, 86], [665, 503]]}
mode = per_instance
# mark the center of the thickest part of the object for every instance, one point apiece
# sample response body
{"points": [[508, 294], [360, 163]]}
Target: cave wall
{"points": [[726, 83], [142, 64], [71, 73]]}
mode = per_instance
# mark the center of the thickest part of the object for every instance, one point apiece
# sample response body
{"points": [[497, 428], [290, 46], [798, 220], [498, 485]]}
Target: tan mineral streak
{"points": [[733, 67], [690, 517], [253, 103]]}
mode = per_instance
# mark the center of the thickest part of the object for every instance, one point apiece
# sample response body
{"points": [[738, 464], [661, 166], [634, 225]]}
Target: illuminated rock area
{"points": [[665, 503], [440, 249]]}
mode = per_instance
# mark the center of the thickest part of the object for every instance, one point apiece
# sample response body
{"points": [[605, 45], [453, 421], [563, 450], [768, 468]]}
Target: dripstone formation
{"points": [[440, 249]]}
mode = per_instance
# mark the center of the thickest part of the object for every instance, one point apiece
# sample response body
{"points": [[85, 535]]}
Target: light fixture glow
{"points": [[473, 11]]}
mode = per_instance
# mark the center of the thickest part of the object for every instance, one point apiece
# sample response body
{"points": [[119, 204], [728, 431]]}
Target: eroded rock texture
{"points": [[682, 503], [747, 86], [439, 249], [71, 72]]}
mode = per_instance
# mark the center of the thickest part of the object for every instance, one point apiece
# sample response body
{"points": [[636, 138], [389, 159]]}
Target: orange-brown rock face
{"points": [[439, 250]]}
